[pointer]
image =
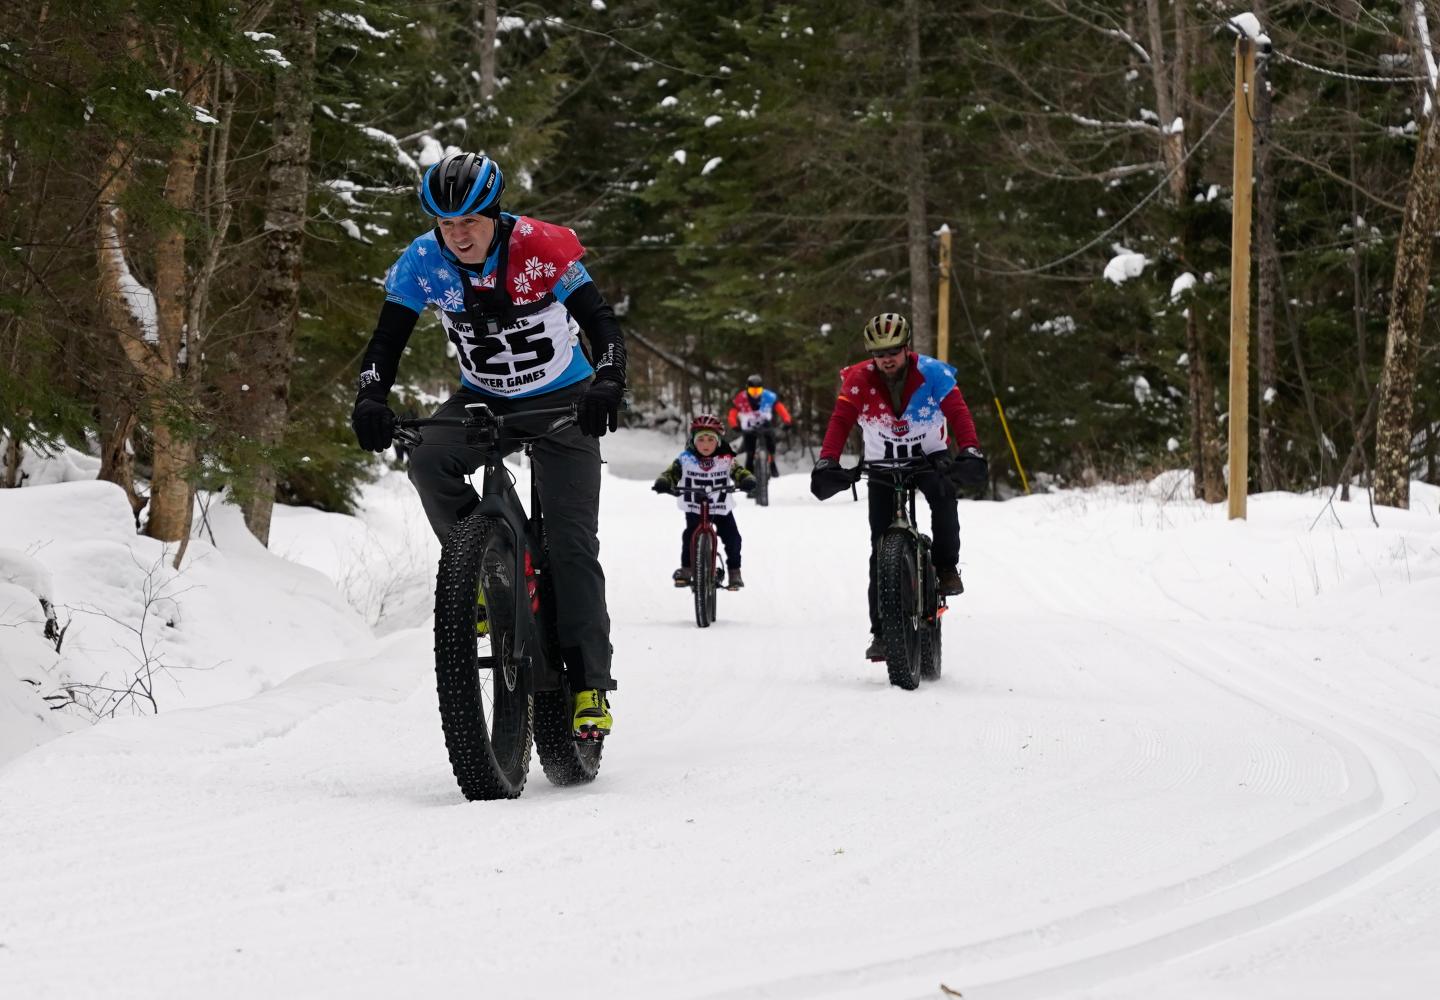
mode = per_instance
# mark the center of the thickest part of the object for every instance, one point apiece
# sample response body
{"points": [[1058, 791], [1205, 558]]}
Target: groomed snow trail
{"points": [[1169, 755]]}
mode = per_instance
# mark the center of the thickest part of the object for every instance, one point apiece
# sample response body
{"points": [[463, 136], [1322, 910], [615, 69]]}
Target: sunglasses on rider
{"points": [[892, 352]]}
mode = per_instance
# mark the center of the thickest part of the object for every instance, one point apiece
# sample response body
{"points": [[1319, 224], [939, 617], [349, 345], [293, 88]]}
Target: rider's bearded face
{"points": [[890, 363], [468, 237]]}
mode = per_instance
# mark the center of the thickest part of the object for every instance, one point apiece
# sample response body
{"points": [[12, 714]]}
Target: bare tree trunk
{"points": [[272, 351], [1267, 259], [117, 460], [1168, 80], [1407, 315], [1206, 464], [916, 222], [1172, 141]]}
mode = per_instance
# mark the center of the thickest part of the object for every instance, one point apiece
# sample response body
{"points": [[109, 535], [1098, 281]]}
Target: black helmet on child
{"points": [[887, 332], [462, 184]]}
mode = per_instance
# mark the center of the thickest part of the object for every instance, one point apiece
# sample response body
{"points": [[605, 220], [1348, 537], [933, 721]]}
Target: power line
{"points": [[1358, 77], [1124, 218]]}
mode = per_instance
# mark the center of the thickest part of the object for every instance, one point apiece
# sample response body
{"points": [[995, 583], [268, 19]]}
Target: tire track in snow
{"points": [[1391, 810]]}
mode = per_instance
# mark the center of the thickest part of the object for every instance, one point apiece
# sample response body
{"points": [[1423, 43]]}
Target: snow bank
{"points": [[235, 620]]}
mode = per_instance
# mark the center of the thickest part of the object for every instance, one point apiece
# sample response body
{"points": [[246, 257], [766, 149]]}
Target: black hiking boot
{"points": [[950, 583], [876, 650]]}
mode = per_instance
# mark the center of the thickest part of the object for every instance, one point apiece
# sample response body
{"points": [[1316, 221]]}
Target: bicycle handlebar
{"points": [[695, 493], [482, 418]]}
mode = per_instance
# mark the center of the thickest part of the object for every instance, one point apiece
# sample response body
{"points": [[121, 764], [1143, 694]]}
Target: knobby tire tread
{"points": [[895, 578], [762, 474], [930, 645], [703, 565], [566, 760], [483, 770]]}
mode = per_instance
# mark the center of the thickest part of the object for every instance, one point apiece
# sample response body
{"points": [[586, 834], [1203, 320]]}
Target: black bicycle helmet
{"points": [[462, 184]]}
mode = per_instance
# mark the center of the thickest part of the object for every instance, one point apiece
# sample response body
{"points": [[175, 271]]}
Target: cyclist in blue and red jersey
{"points": [[513, 296], [904, 402], [753, 412]]}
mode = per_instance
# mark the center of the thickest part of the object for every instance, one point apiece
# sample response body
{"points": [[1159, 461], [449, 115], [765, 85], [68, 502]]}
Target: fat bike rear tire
{"points": [[566, 760], [930, 648], [483, 682]]}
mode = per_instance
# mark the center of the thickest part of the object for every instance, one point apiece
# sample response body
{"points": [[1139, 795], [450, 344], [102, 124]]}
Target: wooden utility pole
{"points": [[942, 315], [1240, 276]]}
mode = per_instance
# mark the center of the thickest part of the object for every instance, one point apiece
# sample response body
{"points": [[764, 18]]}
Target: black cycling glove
{"points": [[599, 408]]}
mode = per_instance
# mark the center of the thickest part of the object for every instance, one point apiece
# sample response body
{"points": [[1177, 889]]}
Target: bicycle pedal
{"points": [[589, 734]]}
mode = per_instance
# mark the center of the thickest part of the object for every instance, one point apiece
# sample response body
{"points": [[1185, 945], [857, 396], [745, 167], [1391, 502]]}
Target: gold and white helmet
{"points": [[887, 332]]}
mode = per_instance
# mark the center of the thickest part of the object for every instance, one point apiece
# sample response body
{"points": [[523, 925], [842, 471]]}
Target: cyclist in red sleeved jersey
{"points": [[904, 402]]}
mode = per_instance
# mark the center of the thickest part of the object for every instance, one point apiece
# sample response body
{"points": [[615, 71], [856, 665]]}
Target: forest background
{"points": [[199, 201]]}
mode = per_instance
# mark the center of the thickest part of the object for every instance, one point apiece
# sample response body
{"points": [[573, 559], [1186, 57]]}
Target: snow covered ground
{"points": [[1170, 755]]}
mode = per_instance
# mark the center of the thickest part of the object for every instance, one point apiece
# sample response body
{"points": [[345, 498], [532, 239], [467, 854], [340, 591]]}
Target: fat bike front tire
{"points": [[896, 579], [703, 565], [762, 475], [483, 682]]}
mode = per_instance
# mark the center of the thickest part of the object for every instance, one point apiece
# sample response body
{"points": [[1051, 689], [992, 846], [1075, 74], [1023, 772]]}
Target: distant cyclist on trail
{"points": [[753, 412], [512, 296], [903, 402], [707, 461]]}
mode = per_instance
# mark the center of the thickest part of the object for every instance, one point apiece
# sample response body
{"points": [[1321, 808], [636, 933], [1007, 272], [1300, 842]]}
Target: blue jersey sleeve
{"points": [[574, 277], [402, 284]]}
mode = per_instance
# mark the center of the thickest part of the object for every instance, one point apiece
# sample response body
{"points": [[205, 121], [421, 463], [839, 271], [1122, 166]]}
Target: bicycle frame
{"points": [[900, 475], [702, 497], [498, 499]]}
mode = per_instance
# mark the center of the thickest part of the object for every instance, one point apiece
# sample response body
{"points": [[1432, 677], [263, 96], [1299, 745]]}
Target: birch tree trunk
{"points": [[128, 309], [916, 221], [277, 298]]}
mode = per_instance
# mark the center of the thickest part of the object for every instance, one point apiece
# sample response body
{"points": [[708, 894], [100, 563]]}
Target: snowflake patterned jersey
{"points": [[536, 351], [917, 432]]}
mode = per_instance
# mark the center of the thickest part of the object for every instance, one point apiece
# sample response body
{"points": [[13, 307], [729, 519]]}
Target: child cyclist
{"points": [[707, 462]]}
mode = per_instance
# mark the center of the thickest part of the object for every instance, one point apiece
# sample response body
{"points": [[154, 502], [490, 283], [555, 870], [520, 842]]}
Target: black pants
{"points": [[567, 472], [944, 526], [750, 438], [724, 526]]}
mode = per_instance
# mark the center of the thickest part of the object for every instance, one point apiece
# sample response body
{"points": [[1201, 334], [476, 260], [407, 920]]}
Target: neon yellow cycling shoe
{"points": [[482, 617], [592, 715]]}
